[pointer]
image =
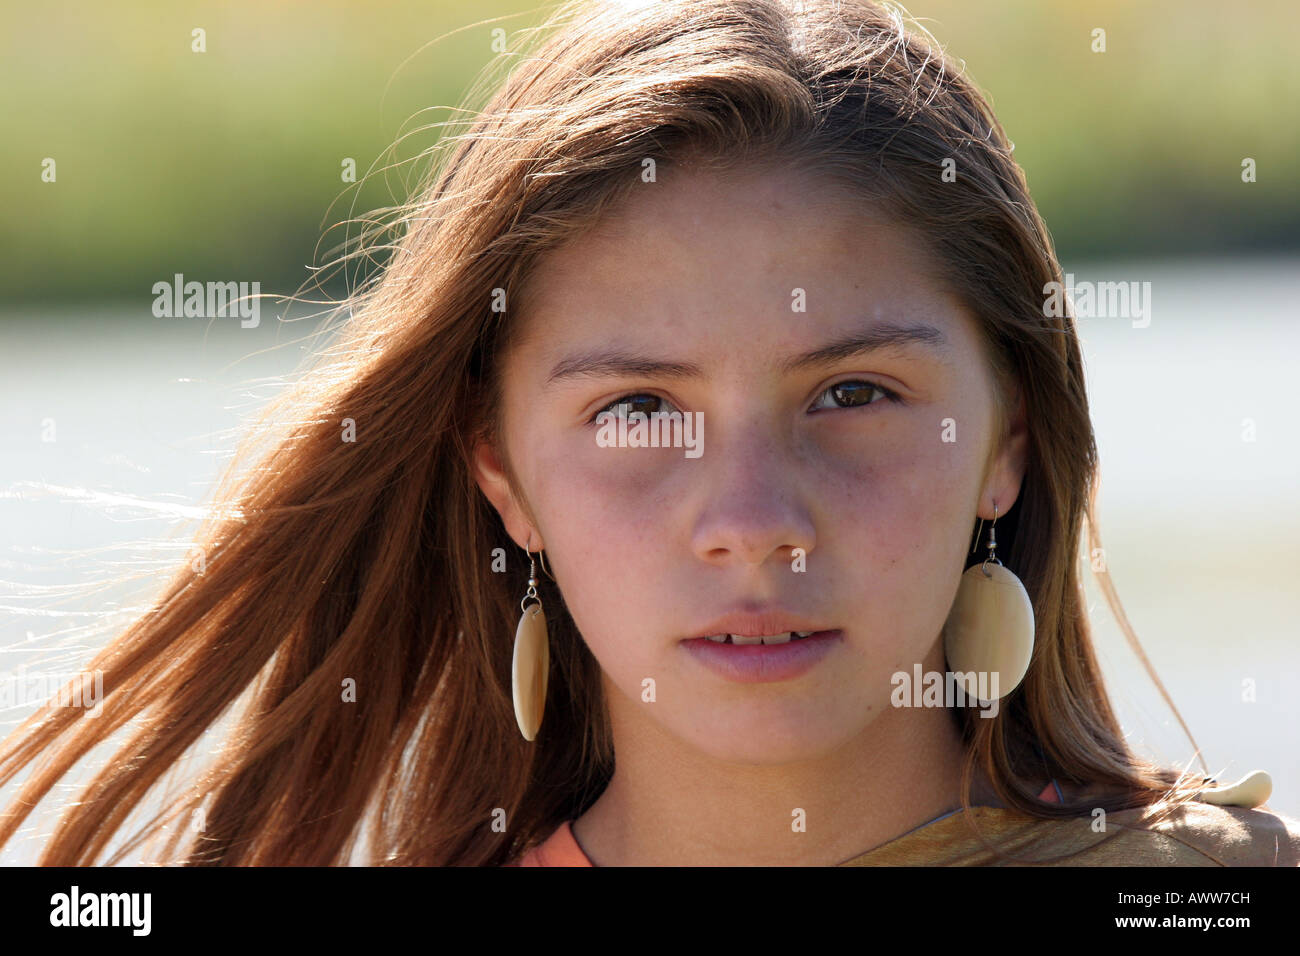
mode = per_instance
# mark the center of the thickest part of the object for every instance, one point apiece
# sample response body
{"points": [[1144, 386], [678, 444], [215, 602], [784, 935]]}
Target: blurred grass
{"points": [[225, 164]]}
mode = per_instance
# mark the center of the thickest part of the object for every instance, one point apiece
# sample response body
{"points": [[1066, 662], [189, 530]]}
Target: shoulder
{"points": [[1221, 835], [1192, 834], [1188, 834]]}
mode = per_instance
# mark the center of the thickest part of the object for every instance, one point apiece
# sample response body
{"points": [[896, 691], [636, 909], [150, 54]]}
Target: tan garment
{"points": [[1196, 834]]}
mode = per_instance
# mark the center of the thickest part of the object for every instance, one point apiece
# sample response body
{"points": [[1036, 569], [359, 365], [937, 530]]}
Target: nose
{"points": [[754, 503]]}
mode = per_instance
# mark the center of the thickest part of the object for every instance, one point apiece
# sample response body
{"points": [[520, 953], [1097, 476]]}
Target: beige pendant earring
{"points": [[1250, 791], [990, 629], [532, 659]]}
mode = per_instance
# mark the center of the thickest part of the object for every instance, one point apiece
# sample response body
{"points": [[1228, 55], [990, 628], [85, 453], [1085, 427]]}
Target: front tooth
{"points": [[762, 639]]}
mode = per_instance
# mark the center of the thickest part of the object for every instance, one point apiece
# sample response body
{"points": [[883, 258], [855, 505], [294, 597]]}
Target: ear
{"points": [[1006, 470], [490, 475]]}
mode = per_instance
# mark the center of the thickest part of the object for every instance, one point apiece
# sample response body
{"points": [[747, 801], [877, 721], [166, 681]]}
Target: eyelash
{"points": [[889, 395]]}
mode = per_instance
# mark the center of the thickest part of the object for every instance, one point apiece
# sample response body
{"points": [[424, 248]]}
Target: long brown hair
{"points": [[372, 564]]}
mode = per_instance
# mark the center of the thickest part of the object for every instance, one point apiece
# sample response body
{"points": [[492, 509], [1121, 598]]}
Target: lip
{"points": [[763, 663]]}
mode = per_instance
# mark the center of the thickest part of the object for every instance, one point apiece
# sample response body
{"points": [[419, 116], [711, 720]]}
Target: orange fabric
{"points": [[561, 849]]}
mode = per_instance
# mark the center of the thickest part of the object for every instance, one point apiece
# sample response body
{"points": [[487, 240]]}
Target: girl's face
{"points": [[832, 486]]}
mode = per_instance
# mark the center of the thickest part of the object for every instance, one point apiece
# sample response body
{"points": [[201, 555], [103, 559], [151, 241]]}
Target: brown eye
{"points": [[854, 393], [641, 403], [637, 402]]}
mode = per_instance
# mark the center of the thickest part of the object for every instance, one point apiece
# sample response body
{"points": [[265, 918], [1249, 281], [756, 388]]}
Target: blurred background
{"points": [[1170, 157]]}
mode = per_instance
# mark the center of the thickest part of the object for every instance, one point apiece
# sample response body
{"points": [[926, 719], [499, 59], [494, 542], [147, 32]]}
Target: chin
{"points": [[767, 742]]}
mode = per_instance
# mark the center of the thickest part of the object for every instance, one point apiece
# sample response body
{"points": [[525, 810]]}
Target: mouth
{"points": [[785, 638], [759, 625], [763, 658]]}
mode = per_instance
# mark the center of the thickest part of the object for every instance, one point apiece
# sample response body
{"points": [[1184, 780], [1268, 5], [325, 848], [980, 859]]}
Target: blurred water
{"points": [[1198, 430], [1195, 414]]}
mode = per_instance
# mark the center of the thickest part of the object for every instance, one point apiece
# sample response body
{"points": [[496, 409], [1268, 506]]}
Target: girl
{"points": [[629, 522]]}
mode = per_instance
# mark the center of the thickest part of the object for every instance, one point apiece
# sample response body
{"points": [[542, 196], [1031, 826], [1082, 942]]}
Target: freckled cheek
{"points": [[907, 494], [605, 503], [899, 459], [611, 484], [603, 531]]}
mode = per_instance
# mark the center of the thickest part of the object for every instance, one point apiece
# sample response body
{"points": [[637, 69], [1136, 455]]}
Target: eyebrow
{"points": [[885, 335]]}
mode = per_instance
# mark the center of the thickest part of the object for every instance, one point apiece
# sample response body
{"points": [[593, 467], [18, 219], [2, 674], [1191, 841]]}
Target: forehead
{"points": [[701, 247]]}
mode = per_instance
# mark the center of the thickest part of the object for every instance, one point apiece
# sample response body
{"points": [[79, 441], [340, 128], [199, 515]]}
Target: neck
{"points": [[667, 804]]}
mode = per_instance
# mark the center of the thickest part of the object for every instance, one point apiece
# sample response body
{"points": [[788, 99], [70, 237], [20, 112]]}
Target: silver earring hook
{"points": [[979, 532], [541, 554], [992, 545], [531, 593]]}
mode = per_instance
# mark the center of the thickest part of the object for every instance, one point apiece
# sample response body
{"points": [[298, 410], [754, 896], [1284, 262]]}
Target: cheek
{"points": [[901, 482], [610, 501], [604, 531], [898, 514]]}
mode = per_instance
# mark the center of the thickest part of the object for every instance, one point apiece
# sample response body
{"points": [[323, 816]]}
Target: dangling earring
{"points": [[990, 629], [532, 659]]}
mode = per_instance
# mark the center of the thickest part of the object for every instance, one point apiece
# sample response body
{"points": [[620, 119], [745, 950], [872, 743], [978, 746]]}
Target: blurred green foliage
{"points": [[227, 164]]}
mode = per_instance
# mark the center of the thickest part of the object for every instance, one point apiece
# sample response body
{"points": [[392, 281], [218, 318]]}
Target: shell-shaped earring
{"points": [[532, 659], [990, 629], [1250, 791]]}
